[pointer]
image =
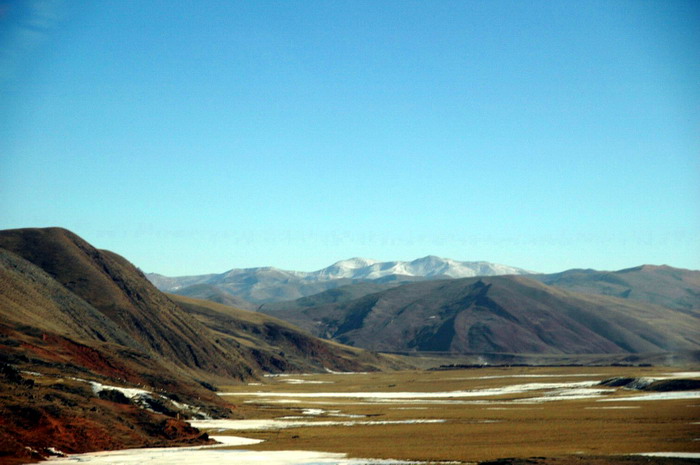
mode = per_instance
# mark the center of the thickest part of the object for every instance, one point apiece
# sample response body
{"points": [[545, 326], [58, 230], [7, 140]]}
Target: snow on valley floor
{"points": [[682, 455], [673, 395], [552, 391], [529, 393], [280, 423], [215, 455], [535, 392]]}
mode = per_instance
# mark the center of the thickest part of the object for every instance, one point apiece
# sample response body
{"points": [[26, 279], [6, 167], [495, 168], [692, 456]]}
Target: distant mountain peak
{"points": [[432, 260], [354, 263], [648, 268]]}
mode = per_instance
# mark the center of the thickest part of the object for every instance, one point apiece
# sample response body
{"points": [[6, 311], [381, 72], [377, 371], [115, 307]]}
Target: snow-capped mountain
{"points": [[427, 267], [268, 284]]}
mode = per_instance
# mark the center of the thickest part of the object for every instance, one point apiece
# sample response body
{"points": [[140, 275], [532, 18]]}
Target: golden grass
{"points": [[473, 431]]}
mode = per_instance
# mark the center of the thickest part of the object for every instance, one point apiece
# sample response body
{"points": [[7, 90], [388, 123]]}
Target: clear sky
{"points": [[199, 136]]}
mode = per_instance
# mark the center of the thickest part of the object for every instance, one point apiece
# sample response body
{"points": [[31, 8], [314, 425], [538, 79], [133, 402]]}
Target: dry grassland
{"points": [[475, 430]]}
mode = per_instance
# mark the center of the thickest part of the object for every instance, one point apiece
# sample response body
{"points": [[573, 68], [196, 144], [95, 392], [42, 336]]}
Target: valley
{"points": [[471, 415], [517, 415], [374, 232]]}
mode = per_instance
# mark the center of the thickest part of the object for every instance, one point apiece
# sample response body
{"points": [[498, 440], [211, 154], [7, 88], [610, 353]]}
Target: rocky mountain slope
{"points": [[497, 314], [264, 285], [141, 317], [93, 356], [54, 345]]}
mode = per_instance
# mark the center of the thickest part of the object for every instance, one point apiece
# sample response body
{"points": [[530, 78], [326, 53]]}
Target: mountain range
{"points": [[268, 284], [663, 285], [505, 314]]}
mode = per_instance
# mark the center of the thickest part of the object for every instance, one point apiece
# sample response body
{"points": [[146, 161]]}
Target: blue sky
{"points": [[195, 137]]}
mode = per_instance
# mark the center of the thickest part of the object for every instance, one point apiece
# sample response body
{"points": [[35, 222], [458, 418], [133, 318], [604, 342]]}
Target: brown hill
{"points": [[508, 314], [279, 346], [121, 293], [53, 344], [661, 285], [78, 325]]}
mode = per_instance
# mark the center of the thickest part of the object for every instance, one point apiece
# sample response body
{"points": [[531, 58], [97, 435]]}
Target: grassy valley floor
{"points": [[472, 415]]}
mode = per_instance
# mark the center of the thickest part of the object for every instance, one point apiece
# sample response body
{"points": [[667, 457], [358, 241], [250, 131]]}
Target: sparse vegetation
{"points": [[566, 431]]}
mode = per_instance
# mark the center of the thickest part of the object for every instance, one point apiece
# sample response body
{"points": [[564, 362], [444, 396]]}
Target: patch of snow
{"points": [[235, 440], [657, 396], [328, 370], [330, 413], [140, 397], [684, 374], [273, 424], [640, 383], [514, 408], [513, 389], [568, 394], [614, 407], [581, 375], [305, 381], [313, 411], [185, 456], [130, 393], [683, 455], [55, 452]]}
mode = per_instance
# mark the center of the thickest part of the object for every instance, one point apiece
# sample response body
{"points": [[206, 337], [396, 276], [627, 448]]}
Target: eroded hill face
{"points": [[73, 318], [118, 291], [498, 314], [93, 356], [278, 346]]}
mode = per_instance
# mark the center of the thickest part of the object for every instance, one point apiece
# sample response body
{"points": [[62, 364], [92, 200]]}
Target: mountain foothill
{"points": [[82, 326]]}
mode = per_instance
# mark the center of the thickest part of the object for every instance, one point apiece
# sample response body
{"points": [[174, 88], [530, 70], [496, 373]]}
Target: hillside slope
{"points": [[279, 346], [215, 294], [93, 356], [331, 296], [661, 285], [60, 361], [121, 294], [498, 314]]}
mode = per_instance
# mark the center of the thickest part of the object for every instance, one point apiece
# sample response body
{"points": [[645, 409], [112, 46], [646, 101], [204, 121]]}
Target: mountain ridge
{"points": [[360, 267], [512, 314], [676, 288], [270, 284]]}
